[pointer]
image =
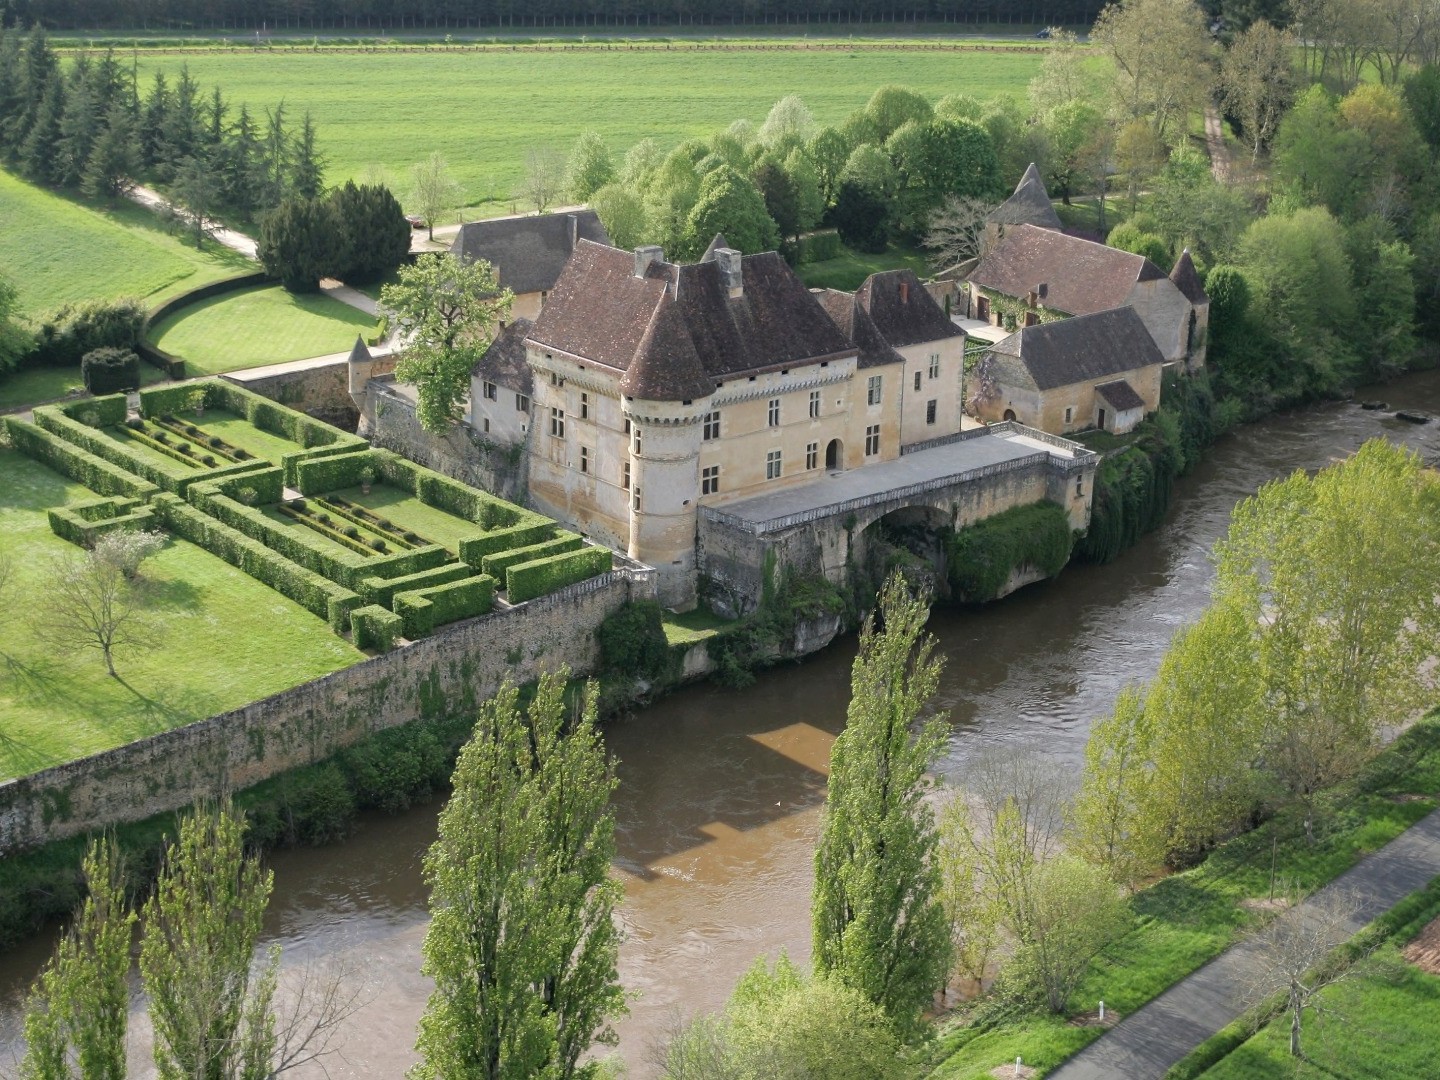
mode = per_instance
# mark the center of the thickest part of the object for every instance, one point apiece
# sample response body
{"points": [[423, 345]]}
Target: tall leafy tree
{"points": [[591, 166], [77, 1013], [433, 191], [114, 159], [1160, 52], [879, 925], [728, 203], [448, 311], [522, 940]]}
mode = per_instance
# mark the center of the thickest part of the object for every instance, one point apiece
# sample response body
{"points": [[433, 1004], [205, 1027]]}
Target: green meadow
{"points": [[484, 110], [59, 250]]}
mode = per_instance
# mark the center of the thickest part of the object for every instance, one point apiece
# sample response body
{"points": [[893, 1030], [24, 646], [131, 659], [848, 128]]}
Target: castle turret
{"points": [[1187, 280]]}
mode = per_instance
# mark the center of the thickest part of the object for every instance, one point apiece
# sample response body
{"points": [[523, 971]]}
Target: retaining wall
{"points": [[322, 392], [455, 669]]}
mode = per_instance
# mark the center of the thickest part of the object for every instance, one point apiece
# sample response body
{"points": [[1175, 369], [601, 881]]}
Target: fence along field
{"points": [[483, 110]]}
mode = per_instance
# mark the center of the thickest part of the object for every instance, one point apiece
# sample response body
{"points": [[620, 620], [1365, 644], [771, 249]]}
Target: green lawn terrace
{"points": [[382, 549]]}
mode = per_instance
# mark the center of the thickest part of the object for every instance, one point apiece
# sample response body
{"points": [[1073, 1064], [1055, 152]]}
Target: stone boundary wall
{"points": [[322, 392], [456, 669]]}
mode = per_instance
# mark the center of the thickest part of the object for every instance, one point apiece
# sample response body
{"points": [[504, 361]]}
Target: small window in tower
{"points": [[584, 406], [917, 382], [625, 475], [584, 459], [635, 501], [712, 426]]}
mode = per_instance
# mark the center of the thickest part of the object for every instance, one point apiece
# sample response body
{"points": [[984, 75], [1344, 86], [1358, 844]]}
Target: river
{"points": [[719, 793]]}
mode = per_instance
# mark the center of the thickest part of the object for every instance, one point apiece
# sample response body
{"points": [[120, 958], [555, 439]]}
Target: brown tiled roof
{"points": [[1030, 205], [528, 252], [1078, 277], [1082, 349], [910, 321], [504, 362], [600, 311], [855, 323], [1187, 280], [1120, 394]]}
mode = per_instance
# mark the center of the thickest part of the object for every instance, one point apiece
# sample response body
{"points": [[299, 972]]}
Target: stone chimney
{"points": [[572, 230], [904, 292], [645, 255], [731, 274]]}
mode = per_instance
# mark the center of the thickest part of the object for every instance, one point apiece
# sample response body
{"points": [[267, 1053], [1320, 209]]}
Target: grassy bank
{"points": [[849, 271], [1187, 919], [226, 639], [58, 249], [263, 325], [483, 111]]}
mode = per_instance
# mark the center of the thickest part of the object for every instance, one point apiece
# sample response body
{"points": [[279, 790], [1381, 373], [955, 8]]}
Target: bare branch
{"points": [[319, 997], [957, 231]]}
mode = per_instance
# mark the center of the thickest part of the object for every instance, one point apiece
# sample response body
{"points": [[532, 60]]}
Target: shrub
{"points": [[209, 459], [423, 610], [66, 336], [395, 768], [161, 436], [97, 412], [297, 243], [529, 580], [382, 591], [983, 556], [473, 549], [817, 247], [126, 548], [373, 627], [108, 370], [497, 564], [374, 237], [632, 641], [316, 475], [352, 532], [216, 441], [378, 545]]}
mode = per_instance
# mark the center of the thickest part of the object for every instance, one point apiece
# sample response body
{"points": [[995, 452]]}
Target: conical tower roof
{"points": [[359, 354], [666, 366], [1187, 280], [1030, 205]]}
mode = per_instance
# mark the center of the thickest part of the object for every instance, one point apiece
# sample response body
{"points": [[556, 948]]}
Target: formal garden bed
{"points": [[379, 547]]}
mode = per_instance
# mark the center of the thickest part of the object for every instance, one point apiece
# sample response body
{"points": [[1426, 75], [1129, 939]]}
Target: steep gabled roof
{"points": [[1084, 349], [903, 309], [1120, 394], [857, 325], [601, 311], [528, 252], [504, 362], [1030, 205], [1078, 277], [1187, 280], [715, 245]]}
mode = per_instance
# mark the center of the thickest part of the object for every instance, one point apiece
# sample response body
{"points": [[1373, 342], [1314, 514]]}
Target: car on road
{"points": [[415, 220]]}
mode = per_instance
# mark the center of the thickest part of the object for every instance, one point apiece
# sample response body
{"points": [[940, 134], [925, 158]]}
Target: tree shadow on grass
{"points": [[174, 593]]}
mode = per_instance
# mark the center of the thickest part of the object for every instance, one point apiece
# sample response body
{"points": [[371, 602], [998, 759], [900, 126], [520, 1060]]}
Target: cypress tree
{"points": [[298, 243], [40, 160], [115, 159], [307, 168], [374, 234]]}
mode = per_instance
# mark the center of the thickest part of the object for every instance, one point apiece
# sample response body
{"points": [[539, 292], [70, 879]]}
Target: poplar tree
{"points": [[522, 940], [77, 1012], [879, 924]]}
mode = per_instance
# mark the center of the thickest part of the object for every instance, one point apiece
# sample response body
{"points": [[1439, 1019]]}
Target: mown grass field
{"points": [[59, 250], [225, 640], [1189, 918], [483, 111], [262, 325]]}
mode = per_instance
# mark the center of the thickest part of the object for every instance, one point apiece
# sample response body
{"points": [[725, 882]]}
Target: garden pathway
{"points": [[236, 241], [1146, 1043]]}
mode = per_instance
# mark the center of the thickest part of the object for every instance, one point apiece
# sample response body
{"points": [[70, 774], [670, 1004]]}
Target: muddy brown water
{"points": [[720, 790]]}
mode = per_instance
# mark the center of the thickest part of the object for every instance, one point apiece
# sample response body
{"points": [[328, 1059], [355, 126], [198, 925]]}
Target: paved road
{"points": [[1145, 1044]]}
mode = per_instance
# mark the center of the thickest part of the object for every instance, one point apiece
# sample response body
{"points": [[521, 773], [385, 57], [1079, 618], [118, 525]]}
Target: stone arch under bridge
{"points": [[823, 528]]}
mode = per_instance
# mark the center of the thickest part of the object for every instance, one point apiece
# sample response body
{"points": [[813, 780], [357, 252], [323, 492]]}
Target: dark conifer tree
{"points": [[307, 171], [40, 152], [298, 243], [115, 159], [374, 235]]}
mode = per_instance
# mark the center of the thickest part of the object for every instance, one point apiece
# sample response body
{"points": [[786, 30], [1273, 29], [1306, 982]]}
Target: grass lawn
{"points": [[237, 431], [1188, 918], [849, 271], [1381, 1021], [483, 111], [226, 639], [408, 512], [305, 534], [60, 249], [49, 384], [693, 626], [263, 325]]}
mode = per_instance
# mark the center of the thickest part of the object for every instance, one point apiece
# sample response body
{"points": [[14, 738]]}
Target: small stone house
{"points": [[1093, 371], [1033, 275], [528, 253]]}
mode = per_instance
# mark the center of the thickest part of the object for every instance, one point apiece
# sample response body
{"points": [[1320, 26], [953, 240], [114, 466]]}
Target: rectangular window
{"points": [[584, 406], [584, 459], [712, 426], [917, 382], [522, 403], [814, 404], [636, 441], [930, 411], [487, 425], [625, 475], [491, 393], [934, 365], [774, 412], [635, 501], [872, 393], [872, 440], [710, 480], [1070, 411], [812, 455], [772, 465], [627, 425], [1079, 485], [557, 423]]}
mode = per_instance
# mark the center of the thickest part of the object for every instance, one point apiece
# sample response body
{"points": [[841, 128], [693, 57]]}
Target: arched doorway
{"points": [[835, 455], [1009, 414]]}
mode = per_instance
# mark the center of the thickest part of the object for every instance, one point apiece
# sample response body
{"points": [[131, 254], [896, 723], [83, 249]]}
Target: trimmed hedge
{"points": [[529, 580], [425, 609], [372, 627], [310, 590], [171, 364], [497, 564], [443, 493], [819, 246], [175, 480], [108, 410], [382, 591], [100, 476], [86, 522], [304, 431], [268, 485], [106, 370], [175, 397], [317, 475], [473, 549]]}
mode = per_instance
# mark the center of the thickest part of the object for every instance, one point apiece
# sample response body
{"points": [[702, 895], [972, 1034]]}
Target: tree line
{"points": [[385, 15]]}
